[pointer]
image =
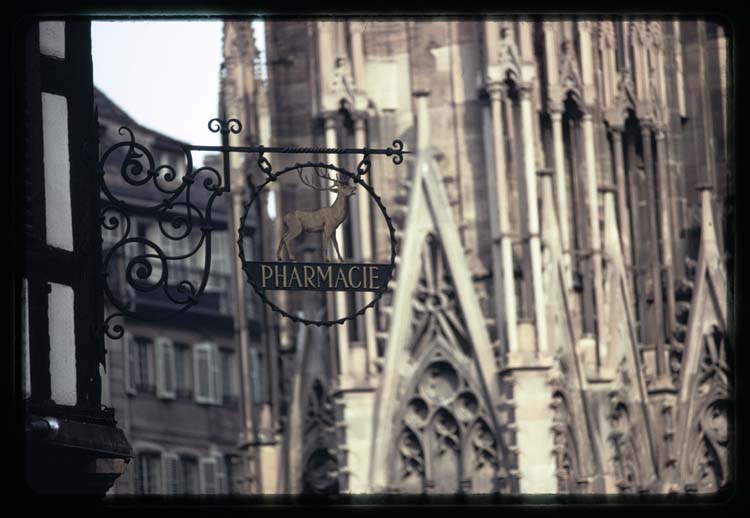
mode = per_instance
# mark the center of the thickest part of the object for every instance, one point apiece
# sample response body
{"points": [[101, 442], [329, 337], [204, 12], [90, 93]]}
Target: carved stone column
{"points": [[504, 286], [561, 193], [532, 208], [338, 302], [592, 196], [622, 200]]}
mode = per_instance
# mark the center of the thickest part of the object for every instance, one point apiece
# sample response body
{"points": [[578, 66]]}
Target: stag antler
{"points": [[323, 176]]}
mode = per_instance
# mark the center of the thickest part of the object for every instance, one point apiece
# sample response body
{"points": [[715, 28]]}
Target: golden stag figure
{"points": [[325, 220]]}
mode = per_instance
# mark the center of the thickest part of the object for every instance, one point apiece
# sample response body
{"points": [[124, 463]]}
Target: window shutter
{"points": [[202, 372], [172, 482], [165, 368], [208, 475], [131, 363]]}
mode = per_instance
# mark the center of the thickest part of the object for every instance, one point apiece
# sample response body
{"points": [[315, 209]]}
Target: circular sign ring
{"points": [[272, 177]]}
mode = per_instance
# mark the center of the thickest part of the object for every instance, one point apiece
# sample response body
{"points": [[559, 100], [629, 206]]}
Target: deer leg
{"points": [[336, 246], [281, 245], [289, 252], [294, 229]]}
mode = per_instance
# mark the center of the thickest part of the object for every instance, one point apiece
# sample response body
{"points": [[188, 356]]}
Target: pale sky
{"points": [[164, 74]]}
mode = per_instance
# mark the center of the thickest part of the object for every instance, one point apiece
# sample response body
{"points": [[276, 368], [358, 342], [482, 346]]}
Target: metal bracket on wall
{"points": [[159, 265]]}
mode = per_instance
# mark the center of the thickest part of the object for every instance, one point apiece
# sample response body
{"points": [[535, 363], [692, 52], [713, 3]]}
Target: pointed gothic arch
{"points": [[433, 294]]}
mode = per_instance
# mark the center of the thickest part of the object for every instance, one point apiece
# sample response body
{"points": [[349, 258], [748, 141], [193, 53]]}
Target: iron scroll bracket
{"points": [[166, 263]]}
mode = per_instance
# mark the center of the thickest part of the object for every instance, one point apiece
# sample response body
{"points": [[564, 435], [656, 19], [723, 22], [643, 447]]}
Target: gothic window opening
{"points": [[635, 172], [411, 461]]}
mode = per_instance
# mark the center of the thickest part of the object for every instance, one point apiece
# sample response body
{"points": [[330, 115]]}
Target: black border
{"points": [[730, 16]]}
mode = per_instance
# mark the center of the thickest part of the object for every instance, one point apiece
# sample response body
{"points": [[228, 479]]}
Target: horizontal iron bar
{"points": [[297, 150]]}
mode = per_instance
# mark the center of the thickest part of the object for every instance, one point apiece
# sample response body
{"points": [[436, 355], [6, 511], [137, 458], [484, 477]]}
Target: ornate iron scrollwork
{"points": [[178, 218], [156, 264]]}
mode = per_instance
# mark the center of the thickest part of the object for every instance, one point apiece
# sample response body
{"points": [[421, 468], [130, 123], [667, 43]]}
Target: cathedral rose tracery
{"points": [[445, 443]]}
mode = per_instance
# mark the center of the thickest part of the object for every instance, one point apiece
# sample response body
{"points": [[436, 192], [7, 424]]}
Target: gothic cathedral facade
{"points": [[558, 321]]}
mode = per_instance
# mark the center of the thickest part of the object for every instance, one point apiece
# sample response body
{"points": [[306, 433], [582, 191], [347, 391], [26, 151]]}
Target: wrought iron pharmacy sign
{"points": [[288, 274], [183, 224]]}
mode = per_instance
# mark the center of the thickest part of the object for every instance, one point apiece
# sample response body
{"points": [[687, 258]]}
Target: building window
{"points": [[209, 480], [232, 467], [139, 371], [181, 474], [183, 374], [206, 373], [228, 377], [189, 476], [221, 271], [148, 473], [166, 369]]}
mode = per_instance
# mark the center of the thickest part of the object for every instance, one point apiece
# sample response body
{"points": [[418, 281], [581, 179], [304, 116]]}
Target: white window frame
{"points": [[205, 463], [209, 350], [165, 363]]}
